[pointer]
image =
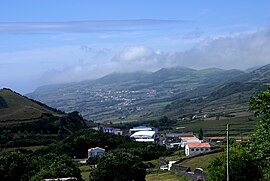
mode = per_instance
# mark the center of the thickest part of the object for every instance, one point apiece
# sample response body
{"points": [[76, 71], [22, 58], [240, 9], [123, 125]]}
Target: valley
{"points": [[134, 96]]}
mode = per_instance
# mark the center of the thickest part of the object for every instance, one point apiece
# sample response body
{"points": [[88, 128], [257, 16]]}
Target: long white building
{"points": [[144, 136]]}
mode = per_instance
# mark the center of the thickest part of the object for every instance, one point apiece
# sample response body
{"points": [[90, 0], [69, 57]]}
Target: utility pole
{"points": [[228, 178]]}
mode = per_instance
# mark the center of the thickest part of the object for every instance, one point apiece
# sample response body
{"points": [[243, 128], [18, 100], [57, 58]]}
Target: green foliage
{"points": [[117, 166], [93, 160], [241, 166], [54, 166], [163, 123], [144, 151], [43, 131], [15, 166], [200, 134], [252, 162], [78, 143], [260, 139]]}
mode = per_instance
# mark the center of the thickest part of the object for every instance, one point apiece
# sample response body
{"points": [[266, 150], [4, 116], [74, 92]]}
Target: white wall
{"points": [[195, 151]]}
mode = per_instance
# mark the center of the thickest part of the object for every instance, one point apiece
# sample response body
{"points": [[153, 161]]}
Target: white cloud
{"points": [[137, 58], [134, 53], [238, 51], [82, 26]]}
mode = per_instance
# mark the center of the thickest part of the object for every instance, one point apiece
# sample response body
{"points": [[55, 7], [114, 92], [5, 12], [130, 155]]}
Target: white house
{"points": [[95, 151], [197, 148], [117, 132], [144, 136]]}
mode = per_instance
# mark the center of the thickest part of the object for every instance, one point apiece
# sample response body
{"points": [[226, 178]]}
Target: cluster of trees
{"points": [[77, 145], [251, 162], [21, 166], [123, 160], [43, 131], [119, 165]]}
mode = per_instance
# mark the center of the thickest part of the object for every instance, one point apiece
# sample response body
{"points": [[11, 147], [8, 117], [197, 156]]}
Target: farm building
{"points": [[197, 148]]}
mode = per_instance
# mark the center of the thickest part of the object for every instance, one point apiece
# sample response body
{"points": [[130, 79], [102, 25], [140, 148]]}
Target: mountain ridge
{"points": [[130, 95]]}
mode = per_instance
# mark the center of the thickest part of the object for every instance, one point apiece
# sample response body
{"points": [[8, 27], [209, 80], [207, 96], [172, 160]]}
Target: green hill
{"points": [[14, 107], [229, 97], [25, 122]]}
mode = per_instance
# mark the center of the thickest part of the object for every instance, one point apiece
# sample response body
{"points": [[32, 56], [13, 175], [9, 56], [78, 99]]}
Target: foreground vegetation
{"points": [[250, 162], [123, 160], [22, 166]]}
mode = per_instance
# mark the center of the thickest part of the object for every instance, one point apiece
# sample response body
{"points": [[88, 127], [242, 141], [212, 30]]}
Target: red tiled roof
{"points": [[186, 135], [199, 145]]}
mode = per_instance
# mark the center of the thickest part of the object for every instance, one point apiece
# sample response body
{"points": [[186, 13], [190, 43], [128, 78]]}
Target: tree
{"points": [[254, 159], [117, 166], [18, 166], [241, 166], [54, 166], [14, 166], [200, 134], [260, 139]]}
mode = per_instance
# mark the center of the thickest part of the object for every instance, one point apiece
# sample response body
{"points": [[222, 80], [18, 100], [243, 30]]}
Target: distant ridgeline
{"points": [[25, 122], [174, 92]]}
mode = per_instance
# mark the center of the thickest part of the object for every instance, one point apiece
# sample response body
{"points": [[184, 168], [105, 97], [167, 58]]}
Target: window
{"points": [[201, 149], [197, 149], [192, 149]]}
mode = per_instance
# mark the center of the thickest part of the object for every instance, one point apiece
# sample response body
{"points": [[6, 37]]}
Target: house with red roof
{"points": [[197, 148]]}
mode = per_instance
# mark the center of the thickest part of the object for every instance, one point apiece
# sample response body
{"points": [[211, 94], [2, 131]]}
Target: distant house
{"points": [[172, 137], [106, 129], [145, 136], [118, 131], [197, 148], [142, 128], [188, 138], [95, 151], [217, 139]]}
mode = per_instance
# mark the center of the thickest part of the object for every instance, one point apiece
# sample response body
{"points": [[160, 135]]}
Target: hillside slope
{"points": [[13, 106], [220, 98], [24, 122]]}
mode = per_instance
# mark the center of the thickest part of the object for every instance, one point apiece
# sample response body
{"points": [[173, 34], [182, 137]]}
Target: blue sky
{"points": [[59, 41]]}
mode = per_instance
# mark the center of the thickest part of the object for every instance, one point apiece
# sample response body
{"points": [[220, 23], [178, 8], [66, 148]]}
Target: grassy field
{"points": [[239, 126], [31, 148], [85, 171], [165, 176], [176, 155], [200, 161]]}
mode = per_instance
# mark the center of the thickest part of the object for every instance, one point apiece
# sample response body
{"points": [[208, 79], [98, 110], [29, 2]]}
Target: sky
{"points": [[59, 41]]}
